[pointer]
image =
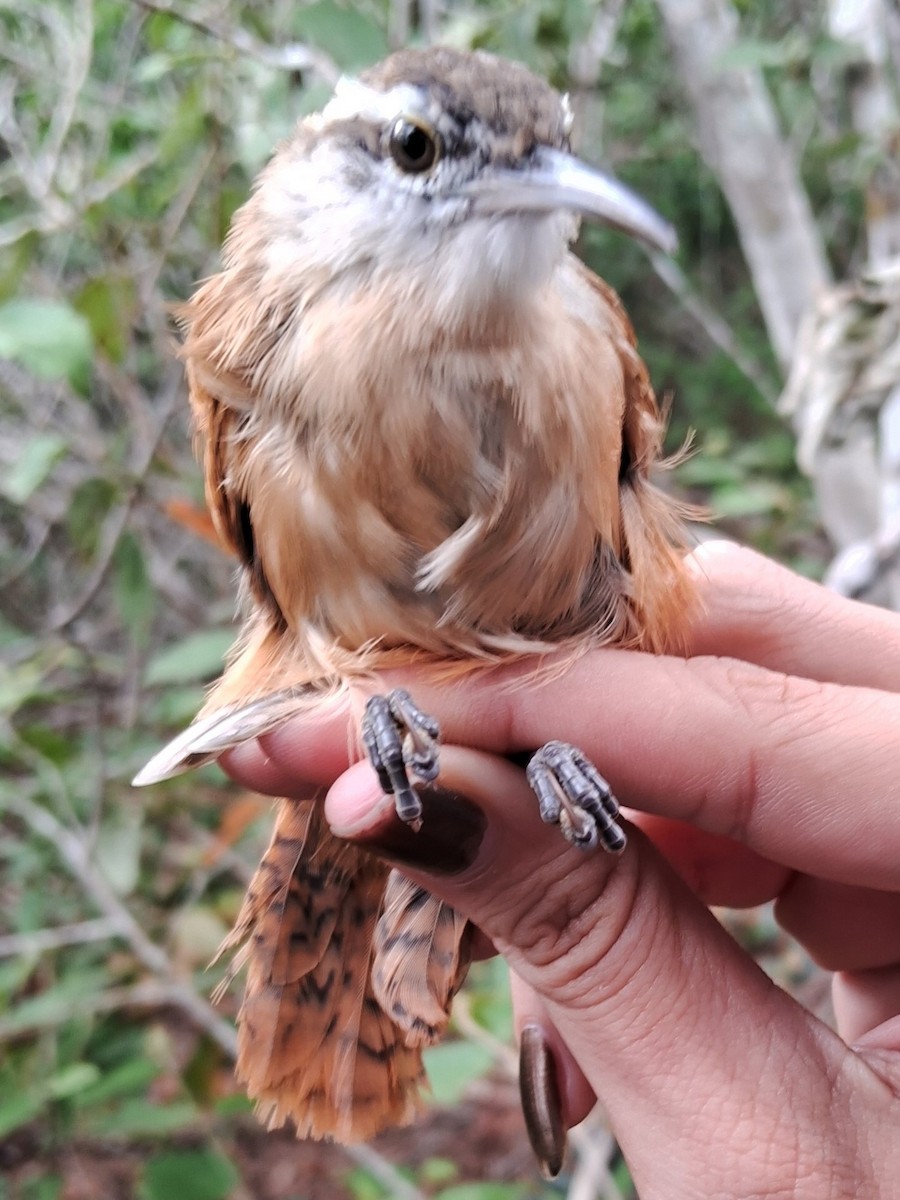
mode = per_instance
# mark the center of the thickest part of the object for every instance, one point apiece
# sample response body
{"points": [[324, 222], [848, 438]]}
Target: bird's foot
{"points": [[573, 794], [401, 740]]}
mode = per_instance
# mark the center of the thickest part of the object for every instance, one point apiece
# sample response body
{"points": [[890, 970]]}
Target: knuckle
{"points": [[581, 927], [771, 719]]}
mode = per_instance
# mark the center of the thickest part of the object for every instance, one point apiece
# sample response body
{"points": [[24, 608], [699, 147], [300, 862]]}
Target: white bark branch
{"points": [[741, 141], [864, 26]]}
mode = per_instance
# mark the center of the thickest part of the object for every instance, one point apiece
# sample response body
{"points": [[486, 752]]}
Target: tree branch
{"points": [[741, 141], [296, 56]]}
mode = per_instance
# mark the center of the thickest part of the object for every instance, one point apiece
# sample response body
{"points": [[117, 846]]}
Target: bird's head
{"points": [[450, 171]]}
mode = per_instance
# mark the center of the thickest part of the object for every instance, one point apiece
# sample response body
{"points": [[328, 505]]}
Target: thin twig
{"points": [[37, 941], [57, 214], [384, 1171], [860, 567], [177, 212], [115, 524], [591, 1178], [295, 56], [503, 1054], [167, 989], [120, 176], [712, 323], [430, 20], [399, 14], [15, 144], [150, 993], [73, 52], [588, 57], [73, 851]]}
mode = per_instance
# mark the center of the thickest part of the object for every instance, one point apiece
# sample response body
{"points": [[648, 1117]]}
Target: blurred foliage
{"points": [[129, 133]]}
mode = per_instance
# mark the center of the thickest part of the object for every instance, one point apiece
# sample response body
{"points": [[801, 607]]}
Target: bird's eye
{"points": [[413, 146]]}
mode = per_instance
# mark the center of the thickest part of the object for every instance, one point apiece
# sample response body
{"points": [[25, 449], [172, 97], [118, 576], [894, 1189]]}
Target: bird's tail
{"points": [[422, 956], [316, 1047]]}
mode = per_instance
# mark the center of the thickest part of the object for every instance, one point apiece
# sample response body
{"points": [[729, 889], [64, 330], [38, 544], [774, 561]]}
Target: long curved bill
{"points": [[552, 179]]}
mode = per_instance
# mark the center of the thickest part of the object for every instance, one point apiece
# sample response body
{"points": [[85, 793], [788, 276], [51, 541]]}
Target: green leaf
{"points": [[72, 1080], [233, 1106], [362, 1185], [435, 1171], [131, 1078], [756, 53], [757, 498], [55, 1005], [13, 974], [483, 1191], [19, 1110], [88, 507], [137, 1118], [187, 129], [33, 465], [107, 303], [622, 1178], [189, 1175], [134, 591], [47, 336], [55, 746], [453, 1066], [177, 705], [117, 851], [490, 999], [197, 657], [351, 39], [48, 1187], [22, 684]]}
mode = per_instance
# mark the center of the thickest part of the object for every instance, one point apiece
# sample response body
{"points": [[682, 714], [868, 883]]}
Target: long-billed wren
{"points": [[427, 437]]}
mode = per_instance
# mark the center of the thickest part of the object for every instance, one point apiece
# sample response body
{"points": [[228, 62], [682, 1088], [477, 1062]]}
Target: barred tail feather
{"points": [[315, 1047], [421, 959]]}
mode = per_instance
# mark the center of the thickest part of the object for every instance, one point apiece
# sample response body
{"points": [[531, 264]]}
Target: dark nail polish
{"points": [[447, 840], [541, 1103]]}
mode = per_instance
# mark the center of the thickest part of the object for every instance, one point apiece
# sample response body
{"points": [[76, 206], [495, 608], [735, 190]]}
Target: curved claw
{"points": [[572, 793], [400, 738]]}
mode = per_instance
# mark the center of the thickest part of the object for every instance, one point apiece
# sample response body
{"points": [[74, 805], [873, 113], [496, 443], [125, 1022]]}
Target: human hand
{"points": [[764, 766]]}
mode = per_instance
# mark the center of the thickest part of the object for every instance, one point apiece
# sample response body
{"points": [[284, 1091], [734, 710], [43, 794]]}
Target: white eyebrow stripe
{"points": [[355, 99]]}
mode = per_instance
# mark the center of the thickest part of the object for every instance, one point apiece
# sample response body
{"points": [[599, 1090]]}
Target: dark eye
{"points": [[413, 147]]}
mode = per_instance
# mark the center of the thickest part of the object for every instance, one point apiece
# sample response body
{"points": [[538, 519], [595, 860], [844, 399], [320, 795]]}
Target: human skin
{"points": [[761, 767]]}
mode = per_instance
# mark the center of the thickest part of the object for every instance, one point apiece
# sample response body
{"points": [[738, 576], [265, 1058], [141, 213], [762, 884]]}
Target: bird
{"points": [[428, 438]]}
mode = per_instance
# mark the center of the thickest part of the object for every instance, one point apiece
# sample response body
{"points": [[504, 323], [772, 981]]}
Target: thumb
{"points": [[705, 1068]]}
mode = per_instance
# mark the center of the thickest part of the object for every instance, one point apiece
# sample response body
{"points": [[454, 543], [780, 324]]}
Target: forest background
{"points": [[768, 133]]}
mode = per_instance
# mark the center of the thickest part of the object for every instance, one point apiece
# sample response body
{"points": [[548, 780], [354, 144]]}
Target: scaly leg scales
{"points": [[401, 740]]}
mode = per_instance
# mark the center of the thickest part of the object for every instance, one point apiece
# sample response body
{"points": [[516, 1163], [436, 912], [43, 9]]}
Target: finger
{"points": [[718, 870], [843, 927], [305, 753], [777, 752], [675, 1029], [760, 612], [800, 772], [529, 1009], [253, 767], [752, 609], [866, 1005]]}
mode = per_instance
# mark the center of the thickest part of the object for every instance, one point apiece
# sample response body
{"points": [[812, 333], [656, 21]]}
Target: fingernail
{"points": [[712, 548], [541, 1103], [446, 843]]}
